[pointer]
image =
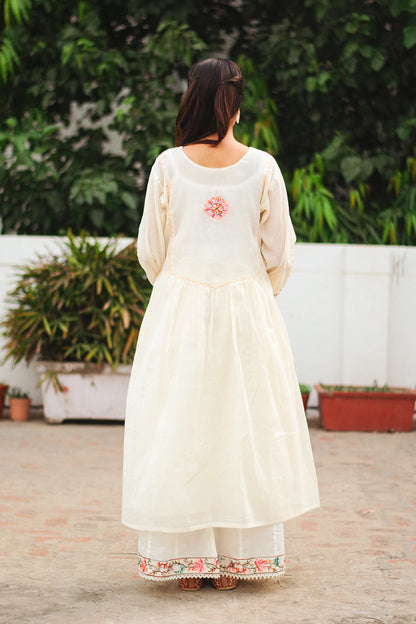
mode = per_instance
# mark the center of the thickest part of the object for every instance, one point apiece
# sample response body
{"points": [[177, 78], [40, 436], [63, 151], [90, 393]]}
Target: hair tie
{"points": [[231, 82]]}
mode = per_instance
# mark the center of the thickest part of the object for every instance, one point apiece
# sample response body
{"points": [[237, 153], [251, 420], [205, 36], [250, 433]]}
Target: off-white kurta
{"points": [[215, 430]]}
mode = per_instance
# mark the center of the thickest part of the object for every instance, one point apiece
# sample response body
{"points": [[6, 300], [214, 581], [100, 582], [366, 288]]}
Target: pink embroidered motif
{"points": [[211, 567], [216, 207]]}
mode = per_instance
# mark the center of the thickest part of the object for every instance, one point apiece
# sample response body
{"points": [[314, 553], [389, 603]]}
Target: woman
{"points": [[216, 450]]}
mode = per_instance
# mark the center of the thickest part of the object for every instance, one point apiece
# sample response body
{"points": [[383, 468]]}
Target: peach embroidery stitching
{"points": [[216, 207]]}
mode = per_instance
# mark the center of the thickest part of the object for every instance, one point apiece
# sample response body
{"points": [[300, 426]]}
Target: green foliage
{"points": [[51, 178], [399, 220], [146, 117], [335, 63], [47, 183], [314, 211], [17, 393], [257, 126], [348, 388], [71, 175], [323, 81], [120, 67], [322, 216], [84, 305], [8, 55], [349, 214], [15, 12], [343, 81], [17, 9]]}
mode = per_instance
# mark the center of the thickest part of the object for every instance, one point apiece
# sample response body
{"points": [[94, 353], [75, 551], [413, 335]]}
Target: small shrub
{"points": [[85, 305]]}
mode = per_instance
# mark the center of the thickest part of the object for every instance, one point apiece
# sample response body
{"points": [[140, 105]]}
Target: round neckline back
{"points": [[214, 168]]}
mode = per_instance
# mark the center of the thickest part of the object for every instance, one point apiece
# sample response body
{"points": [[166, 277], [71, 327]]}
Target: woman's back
{"points": [[213, 216], [214, 224]]}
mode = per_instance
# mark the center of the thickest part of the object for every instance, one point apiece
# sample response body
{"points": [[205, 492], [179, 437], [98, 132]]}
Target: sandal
{"points": [[224, 582], [190, 584]]}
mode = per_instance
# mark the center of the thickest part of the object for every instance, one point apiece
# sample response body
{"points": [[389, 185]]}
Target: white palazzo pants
{"points": [[242, 553]]}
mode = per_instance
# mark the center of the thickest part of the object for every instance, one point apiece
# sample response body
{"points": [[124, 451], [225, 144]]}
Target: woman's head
{"points": [[213, 97]]}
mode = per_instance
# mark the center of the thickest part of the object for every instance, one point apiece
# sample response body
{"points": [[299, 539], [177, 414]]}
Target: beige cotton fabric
{"points": [[215, 430]]}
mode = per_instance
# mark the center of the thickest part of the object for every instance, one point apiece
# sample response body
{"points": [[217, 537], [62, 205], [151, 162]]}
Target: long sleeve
{"points": [[151, 243], [277, 236]]}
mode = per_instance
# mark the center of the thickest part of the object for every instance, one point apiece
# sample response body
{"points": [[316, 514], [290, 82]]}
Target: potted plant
{"points": [[305, 391], [3, 391], [77, 314], [366, 408], [19, 403]]}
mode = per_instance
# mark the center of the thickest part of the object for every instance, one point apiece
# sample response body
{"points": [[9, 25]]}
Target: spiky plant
{"points": [[83, 305]]}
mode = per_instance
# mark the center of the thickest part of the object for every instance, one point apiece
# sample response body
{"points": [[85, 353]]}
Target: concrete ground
{"points": [[66, 558]]}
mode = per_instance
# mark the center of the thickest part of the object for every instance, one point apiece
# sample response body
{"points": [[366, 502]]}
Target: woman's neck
{"points": [[228, 138], [228, 152]]}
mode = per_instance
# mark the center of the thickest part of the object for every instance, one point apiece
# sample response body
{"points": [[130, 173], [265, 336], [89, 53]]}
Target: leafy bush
{"points": [[342, 78], [349, 214], [313, 214], [399, 221], [322, 77], [85, 305]]}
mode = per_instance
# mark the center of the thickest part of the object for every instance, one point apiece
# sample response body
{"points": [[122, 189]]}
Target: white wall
{"points": [[350, 311]]}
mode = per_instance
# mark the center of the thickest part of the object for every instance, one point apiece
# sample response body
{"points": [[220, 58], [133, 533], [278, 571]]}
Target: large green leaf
{"points": [[351, 167], [409, 36]]}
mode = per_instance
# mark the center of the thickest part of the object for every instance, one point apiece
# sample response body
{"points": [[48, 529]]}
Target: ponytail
{"points": [[226, 104]]}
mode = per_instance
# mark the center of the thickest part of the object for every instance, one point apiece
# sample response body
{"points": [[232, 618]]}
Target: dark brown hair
{"points": [[214, 95]]}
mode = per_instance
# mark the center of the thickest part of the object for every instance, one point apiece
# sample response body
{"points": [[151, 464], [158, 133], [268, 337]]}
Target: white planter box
{"points": [[90, 394]]}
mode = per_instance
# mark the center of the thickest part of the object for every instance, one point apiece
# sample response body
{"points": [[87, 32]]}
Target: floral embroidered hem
{"points": [[211, 567]]}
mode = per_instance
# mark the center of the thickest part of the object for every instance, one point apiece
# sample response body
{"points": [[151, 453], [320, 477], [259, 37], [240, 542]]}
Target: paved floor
{"points": [[66, 558]]}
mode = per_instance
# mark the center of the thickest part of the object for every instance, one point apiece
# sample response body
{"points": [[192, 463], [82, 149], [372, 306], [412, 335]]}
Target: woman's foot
{"points": [[190, 584], [224, 582]]}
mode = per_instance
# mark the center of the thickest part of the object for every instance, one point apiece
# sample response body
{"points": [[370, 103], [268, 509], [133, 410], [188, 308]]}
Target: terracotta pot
{"points": [[305, 399], [3, 391], [19, 408], [360, 410]]}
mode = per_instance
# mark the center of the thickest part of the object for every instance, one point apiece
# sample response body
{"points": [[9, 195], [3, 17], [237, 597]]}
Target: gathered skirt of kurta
{"points": [[215, 430]]}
